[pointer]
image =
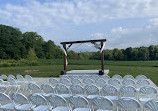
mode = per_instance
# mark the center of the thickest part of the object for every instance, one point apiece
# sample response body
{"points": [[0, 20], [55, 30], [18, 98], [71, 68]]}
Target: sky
{"points": [[124, 23]]}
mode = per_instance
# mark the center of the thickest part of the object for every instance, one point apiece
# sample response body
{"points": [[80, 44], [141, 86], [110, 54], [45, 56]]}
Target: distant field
{"points": [[52, 68]]}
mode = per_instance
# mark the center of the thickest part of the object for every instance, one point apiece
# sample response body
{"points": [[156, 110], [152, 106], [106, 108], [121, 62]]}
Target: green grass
{"points": [[52, 68]]}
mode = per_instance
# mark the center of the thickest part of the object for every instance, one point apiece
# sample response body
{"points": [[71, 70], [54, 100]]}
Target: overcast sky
{"points": [[124, 23]]}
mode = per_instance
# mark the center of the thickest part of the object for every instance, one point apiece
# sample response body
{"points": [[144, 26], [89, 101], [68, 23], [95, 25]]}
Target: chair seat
{"points": [[128, 97], [103, 110], [145, 99], [42, 108], [25, 107], [113, 98], [9, 106], [82, 109], [65, 95], [61, 109], [92, 96], [49, 94]]}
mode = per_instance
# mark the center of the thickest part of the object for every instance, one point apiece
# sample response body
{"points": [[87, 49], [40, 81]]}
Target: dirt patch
{"points": [[31, 70]]}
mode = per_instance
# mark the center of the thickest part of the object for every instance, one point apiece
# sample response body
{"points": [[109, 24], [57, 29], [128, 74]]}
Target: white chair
{"points": [[3, 86], [151, 105], [35, 89], [102, 104], [64, 77], [128, 104], [59, 103], [40, 102], [114, 82], [75, 81], [100, 82], [110, 92], [63, 91], [53, 81], [128, 82], [128, 92], [141, 77], [94, 77], [25, 104], [105, 77], [6, 102], [48, 90], [13, 86], [11, 76], [3, 76], [147, 93], [29, 78], [79, 103], [143, 82], [87, 81], [128, 77], [77, 90], [91, 91], [65, 81], [117, 77]]}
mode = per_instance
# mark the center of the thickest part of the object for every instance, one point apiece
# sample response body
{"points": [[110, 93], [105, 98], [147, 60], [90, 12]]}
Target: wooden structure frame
{"points": [[85, 41]]}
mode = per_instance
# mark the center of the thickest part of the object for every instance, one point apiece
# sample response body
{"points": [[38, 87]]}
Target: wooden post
{"points": [[102, 58], [64, 45]]}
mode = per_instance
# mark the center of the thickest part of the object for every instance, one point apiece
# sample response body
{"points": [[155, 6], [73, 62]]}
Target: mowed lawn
{"points": [[148, 68]]}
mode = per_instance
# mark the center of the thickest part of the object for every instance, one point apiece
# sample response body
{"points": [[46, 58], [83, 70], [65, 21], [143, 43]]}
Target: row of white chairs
{"points": [[94, 77], [100, 82], [144, 94], [36, 102]]}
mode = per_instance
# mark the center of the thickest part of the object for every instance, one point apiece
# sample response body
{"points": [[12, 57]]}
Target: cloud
{"points": [[122, 38]]}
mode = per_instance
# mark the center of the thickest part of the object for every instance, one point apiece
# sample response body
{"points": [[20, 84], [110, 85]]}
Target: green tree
{"points": [[31, 55]]}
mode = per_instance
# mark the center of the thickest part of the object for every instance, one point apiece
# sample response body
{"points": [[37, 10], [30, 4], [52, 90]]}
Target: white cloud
{"points": [[50, 15]]}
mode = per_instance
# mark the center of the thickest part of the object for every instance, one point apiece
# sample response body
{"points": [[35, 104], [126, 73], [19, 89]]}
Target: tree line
{"points": [[17, 45]]}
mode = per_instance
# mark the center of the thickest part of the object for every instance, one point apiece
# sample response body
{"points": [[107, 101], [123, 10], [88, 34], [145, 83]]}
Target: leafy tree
{"points": [[31, 55]]}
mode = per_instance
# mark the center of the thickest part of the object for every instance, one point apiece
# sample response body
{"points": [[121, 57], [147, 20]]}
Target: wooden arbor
{"points": [[101, 72]]}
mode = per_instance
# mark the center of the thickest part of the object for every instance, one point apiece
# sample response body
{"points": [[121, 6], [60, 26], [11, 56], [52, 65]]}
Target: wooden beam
{"points": [[102, 57], [71, 42], [64, 46]]}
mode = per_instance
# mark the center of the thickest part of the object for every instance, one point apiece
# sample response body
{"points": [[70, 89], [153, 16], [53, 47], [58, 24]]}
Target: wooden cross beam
{"points": [[84, 41]]}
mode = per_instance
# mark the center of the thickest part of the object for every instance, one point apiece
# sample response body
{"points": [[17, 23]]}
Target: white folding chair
{"points": [[91, 91], [128, 92], [11, 76], [105, 77], [147, 93], [87, 81], [3, 76], [75, 81], [29, 79], [127, 82], [100, 82], [59, 103], [143, 82], [79, 103], [35, 89], [94, 77], [102, 104], [128, 104], [13, 85], [6, 102], [128, 77], [141, 77], [110, 92], [114, 82], [53, 81], [3, 86], [151, 105], [65, 81], [63, 91], [118, 77], [64, 77], [25, 104], [48, 90], [77, 90], [40, 102]]}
